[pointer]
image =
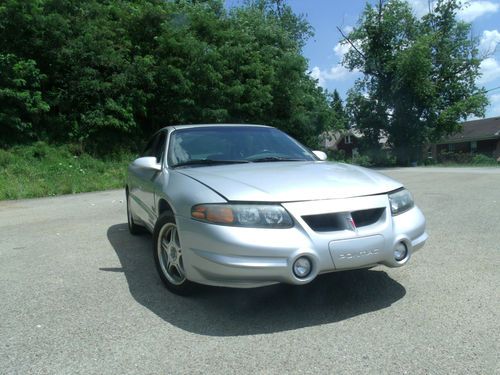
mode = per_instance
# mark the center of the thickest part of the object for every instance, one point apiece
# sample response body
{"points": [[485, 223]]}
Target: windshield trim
{"points": [[207, 163]]}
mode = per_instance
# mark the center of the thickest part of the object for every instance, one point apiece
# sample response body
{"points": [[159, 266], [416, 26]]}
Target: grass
{"points": [[41, 170]]}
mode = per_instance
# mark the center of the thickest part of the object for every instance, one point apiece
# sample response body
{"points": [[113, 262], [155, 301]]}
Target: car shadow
{"points": [[231, 312]]}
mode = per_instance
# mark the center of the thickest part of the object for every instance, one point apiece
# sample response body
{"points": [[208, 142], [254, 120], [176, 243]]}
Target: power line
{"points": [[494, 88]]}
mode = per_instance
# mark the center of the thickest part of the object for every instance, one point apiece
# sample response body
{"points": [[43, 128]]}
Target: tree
{"points": [[21, 102], [418, 75], [340, 119], [116, 71]]}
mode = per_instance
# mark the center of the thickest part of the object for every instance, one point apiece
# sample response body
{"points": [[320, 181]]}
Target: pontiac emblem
{"points": [[351, 225]]}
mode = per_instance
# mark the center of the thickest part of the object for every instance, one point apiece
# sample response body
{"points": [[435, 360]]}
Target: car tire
{"points": [[168, 256], [133, 228]]}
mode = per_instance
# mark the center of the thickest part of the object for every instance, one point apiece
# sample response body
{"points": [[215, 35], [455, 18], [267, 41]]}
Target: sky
{"points": [[324, 51]]}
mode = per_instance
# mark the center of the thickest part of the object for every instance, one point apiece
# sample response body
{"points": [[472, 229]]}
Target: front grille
{"points": [[367, 217], [325, 222], [338, 221]]}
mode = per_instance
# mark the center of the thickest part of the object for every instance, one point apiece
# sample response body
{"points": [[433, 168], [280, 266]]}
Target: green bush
{"points": [[362, 160], [447, 157], [450, 157], [430, 161], [463, 158], [337, 155], [5, 158], [384, 159], [375, 158], [481, 159]]}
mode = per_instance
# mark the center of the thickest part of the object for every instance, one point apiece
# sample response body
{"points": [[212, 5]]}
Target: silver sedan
{"points": [[248, 206]]}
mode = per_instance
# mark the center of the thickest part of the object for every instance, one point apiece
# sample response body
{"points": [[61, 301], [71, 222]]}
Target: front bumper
{"points": [[249, 257]]}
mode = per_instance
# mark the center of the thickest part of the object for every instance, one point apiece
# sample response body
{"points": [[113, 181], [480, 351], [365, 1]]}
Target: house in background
{"points": [[476, 137], [346, 141]]}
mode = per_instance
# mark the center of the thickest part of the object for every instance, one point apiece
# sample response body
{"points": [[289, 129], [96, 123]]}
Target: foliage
{"points": [[337, 155], [428, 161], [374, 158], [102, 74], [450, 157], [362, 160], [340, 119], [21, 103], [481, 159], [465, 158], [43, 170], [418, 75]]}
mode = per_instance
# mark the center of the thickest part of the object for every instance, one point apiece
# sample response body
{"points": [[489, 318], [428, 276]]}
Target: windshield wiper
{"points": [[207, 162], [274, 158]]}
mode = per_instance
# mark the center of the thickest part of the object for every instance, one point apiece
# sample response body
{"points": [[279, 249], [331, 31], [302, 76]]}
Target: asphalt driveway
{"points": [[78, 294]]}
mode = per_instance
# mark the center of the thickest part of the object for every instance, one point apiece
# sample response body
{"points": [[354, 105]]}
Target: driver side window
{"points": [[155, 146], [159, 147]]}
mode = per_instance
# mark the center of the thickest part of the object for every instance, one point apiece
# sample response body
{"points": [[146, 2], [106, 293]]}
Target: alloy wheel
{"points": [[170, 254]]}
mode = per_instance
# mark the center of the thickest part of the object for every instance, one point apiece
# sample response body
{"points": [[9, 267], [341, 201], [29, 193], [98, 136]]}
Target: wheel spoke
{"points": [[179, 270], [165, 245], [175, 238]]}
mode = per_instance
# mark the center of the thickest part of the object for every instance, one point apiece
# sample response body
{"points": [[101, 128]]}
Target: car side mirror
{"points": [[148, 162], [320, 155]]}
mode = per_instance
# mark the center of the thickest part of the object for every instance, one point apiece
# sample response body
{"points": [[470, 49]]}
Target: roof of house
{"points": [[488, 128]]}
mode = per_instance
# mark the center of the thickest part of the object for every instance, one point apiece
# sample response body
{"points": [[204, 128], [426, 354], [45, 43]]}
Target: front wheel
{"points": [[168, 256]]}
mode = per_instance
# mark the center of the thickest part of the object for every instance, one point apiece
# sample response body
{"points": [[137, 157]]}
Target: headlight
{"points": [[243, 215], [401, 201]]}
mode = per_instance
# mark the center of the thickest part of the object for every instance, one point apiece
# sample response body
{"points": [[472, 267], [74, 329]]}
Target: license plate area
{"points": [[357, 252]]}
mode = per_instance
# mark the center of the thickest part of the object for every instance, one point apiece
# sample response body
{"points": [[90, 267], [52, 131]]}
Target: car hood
{"points": [[291, 181]]}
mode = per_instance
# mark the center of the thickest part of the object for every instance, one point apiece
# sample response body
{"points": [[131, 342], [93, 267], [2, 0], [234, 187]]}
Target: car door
{"points": [[145, 180]]}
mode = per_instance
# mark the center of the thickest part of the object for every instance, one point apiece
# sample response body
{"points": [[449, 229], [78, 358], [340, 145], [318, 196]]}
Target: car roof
{"points": [[213, 125]]}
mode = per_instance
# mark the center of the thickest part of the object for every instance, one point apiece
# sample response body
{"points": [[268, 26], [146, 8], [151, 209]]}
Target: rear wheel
{"points": [[168, 256]]}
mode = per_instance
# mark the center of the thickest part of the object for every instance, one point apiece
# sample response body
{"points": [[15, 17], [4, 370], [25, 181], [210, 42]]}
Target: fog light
{"points": [[302, 267], [400, 251]]}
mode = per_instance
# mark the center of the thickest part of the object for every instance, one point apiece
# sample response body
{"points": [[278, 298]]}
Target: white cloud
{"points": [[489, 41], [471, 10], [420, 7], [494, 109], [335, 73], [476, 9], [341, 49], [490, 70], [316, 74], [347, 29]]}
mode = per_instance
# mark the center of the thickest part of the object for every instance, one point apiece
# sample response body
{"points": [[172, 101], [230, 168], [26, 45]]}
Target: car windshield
{"points": [[200, 146]]}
